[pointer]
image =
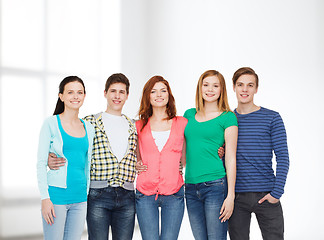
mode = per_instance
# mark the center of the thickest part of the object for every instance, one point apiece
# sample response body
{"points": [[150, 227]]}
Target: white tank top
{"points": [[160, 138]]}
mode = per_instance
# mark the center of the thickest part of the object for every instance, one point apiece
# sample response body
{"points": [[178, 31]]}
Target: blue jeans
{"points": [[269, 216], [68, 224], [204, 202], [111, 206], [147, 210]]}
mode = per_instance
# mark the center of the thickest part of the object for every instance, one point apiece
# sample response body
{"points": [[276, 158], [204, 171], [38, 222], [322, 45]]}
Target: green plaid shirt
{"points": [[104, 164]]}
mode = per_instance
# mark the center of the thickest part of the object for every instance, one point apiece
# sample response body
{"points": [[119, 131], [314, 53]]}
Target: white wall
{"points": [[281, 40], [41, 42]]}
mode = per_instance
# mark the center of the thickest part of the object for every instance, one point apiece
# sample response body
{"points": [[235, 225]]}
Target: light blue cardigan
{"points": [[50, 141]]}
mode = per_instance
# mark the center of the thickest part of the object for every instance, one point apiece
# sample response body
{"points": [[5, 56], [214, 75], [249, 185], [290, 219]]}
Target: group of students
{"points": [[87, 167]]}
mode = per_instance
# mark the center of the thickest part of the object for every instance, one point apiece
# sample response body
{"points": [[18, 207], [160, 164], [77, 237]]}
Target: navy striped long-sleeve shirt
{"points": [[261, 133]]}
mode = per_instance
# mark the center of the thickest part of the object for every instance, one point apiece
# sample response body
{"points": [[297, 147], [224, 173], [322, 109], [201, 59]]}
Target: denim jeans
{"points": [[111, 206], [172, 210], [204, 202], [269, 217], [68, 224]]}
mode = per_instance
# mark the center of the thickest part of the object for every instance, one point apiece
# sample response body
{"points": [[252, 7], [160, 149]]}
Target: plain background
{"points": [[42, 41]]}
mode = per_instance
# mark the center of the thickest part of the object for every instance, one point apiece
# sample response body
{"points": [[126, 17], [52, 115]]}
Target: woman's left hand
{"points": [[48, 211], [227, 209]]}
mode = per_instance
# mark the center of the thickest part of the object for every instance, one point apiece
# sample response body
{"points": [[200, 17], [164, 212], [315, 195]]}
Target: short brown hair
{"points": [[245, 71], [117, 78], [146, 111]]}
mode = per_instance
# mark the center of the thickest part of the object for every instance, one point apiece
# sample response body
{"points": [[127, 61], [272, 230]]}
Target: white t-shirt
{"points": [[160, 138], [116, 128]]}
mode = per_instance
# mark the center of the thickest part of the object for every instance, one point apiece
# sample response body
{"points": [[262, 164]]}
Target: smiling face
{"points": [[245, 88], [159, 96], [116, 96], [210, 89], [73, 95]]}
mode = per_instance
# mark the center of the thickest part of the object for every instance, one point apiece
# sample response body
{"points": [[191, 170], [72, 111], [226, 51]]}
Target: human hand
{"points": [[140, 167], [181, 168], [221, 151], [48, 211], [269, 198], [227, 209], [54, 163]]}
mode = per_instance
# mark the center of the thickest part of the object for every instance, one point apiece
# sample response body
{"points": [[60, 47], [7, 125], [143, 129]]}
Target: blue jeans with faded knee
{"points": [[172, 210], [68, 223], [204, 202]]}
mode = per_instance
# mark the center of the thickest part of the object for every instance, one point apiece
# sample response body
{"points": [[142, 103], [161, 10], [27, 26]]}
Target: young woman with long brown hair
{"points": [[161, 147], [64, 191]]}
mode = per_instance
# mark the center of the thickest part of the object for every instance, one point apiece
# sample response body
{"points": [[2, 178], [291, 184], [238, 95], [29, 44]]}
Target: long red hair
{"points": [[146, 111]]}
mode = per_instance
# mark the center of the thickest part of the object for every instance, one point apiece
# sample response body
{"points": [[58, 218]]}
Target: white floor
{"points": [[185, 232]]}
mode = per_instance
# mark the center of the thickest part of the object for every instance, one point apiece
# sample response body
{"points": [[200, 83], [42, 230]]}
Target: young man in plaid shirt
{"points": [[111, 199]]}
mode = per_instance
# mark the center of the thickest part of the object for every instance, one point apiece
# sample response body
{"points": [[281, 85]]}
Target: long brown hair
{"points": [[146, 111], [223, 105]]}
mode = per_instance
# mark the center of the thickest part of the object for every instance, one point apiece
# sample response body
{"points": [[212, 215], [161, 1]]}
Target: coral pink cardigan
{"points": [[162, 175]]}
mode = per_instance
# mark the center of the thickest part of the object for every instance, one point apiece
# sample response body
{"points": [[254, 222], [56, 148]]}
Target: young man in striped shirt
{"points": [[261, 132]]}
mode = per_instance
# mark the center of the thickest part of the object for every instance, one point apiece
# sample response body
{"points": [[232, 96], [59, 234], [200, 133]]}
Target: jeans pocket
{"points": [[237, 195], [272, 204], [131, 194], [94, 193], [180, 193], [138, 194], [214, 182]]}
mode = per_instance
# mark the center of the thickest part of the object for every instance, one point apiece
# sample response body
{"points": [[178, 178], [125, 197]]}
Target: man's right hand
{"points": [[140, 167], [54, 163], [221, 151]]}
